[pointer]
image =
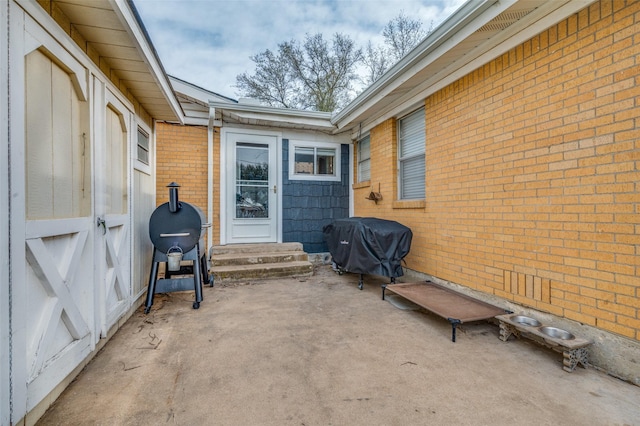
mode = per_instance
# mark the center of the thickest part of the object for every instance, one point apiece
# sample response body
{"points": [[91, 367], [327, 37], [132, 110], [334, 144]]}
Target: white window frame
{"points": [[293, 144], [414, 154], [361, 161]]}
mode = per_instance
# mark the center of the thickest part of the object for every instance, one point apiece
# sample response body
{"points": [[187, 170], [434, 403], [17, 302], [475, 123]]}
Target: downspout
{"points": [[210, 135]]}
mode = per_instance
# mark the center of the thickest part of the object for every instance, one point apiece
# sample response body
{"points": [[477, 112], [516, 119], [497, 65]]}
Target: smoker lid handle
{"points": [[180, 234], [206, 225]]}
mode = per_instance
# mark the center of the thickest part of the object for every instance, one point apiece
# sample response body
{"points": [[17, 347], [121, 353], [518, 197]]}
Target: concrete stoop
{"points": [[239, 262]]}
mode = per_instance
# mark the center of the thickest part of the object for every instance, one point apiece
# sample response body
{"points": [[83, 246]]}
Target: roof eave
{"points": [[131, 20], [279, 117]]}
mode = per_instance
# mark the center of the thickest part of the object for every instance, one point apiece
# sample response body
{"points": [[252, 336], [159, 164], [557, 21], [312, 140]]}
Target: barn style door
{"points": [[59, 273], [112, 209]]}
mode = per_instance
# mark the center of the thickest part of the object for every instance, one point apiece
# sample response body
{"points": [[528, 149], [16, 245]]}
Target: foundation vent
{"points": [[526, 285]]}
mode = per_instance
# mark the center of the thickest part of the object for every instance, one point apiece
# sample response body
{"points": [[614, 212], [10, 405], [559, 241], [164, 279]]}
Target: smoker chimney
{"points": [[174, 204]]}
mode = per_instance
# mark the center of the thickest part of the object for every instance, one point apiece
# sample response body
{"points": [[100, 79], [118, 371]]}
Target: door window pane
{"points": [[252, 180]]}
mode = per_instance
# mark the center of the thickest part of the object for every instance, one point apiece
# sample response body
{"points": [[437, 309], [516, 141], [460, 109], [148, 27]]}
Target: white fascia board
{"points": [[134, 27], [195, 121], [466, 20], [316, 119], [197, 93]]}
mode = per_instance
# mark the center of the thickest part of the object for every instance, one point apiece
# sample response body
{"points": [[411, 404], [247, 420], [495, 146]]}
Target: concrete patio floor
{"points": [[318, 351]]}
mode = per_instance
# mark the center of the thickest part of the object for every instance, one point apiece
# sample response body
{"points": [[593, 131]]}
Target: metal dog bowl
{"points": [[521, 319], [556, 333]]}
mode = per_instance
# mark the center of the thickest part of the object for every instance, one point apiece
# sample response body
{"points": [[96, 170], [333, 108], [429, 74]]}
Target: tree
{"points": [[312, 75], [376, 62], [320, 75], [402, 34], [273, 81]]}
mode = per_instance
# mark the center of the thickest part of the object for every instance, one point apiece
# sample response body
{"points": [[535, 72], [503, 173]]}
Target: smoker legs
{"points": [[151, 289], [169, 283], [197, 283], [206, 277]]}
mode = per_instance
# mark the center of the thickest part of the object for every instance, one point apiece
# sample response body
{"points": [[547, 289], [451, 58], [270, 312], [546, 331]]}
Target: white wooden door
{"points": [[58, 266], [251, 202], [112, 210]]}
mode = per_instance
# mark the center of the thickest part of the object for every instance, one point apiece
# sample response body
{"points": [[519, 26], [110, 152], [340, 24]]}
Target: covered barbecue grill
{"points": [[177, 232], [367, 245]]}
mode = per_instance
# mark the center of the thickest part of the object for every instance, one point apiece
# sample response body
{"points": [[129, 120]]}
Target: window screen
{"points": [[364, 159], [411, 156]]}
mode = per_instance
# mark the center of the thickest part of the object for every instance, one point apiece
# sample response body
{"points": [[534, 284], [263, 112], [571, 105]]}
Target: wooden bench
{"points": [[574, 350]]}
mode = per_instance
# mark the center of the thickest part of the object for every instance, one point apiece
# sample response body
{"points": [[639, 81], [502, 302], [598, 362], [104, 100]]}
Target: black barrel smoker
{"points": [[177, 230]]}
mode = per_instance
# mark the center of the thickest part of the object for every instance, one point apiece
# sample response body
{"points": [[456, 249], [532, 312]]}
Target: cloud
{"points": [[210, 42]]}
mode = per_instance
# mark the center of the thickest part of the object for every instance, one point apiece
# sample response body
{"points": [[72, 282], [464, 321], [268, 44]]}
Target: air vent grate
{"points": [[504, 20]]}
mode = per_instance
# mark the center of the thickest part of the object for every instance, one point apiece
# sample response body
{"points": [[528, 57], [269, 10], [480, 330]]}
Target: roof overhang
{"points": [[195, 101], [478, 32], [260, 115], [114, 30]]}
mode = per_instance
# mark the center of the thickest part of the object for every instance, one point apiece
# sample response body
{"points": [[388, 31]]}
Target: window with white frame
{"points": [[314, 160], [364, 159], [411, 156]]}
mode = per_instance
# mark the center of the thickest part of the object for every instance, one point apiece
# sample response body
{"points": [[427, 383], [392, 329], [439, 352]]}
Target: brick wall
{"points": [[182, 157], [532, 174]]}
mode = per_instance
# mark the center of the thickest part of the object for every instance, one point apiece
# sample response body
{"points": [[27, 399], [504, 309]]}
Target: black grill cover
{"points": [[367, 245]]}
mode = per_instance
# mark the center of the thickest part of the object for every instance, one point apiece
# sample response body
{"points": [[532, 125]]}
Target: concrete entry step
{"points": [[229, 259], [238, 262], [255, 248]]}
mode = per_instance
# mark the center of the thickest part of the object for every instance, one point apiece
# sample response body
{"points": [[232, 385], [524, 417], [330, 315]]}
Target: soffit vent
{"points": [[504, 20]]}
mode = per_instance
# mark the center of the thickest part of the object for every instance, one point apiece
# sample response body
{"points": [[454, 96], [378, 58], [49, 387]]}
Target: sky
{"points": [[209, 42]]}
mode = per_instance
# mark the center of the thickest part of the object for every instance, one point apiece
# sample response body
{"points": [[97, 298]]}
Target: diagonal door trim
{"points": [[116, 282], [61, 304]]}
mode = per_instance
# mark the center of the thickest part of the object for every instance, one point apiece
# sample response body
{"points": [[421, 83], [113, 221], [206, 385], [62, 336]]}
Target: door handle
{"points": [[101, 222], [274, 189]]}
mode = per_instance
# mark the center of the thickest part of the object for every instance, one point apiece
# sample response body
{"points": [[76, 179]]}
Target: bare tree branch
{"points": [[319, 74]]}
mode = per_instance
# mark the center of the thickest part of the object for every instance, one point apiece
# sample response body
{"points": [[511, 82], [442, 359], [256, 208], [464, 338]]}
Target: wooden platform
{"points": [[455, 307], [574, 350]]}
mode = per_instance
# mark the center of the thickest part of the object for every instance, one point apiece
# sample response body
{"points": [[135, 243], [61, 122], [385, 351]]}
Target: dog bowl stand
{"points": [[574, 351]]}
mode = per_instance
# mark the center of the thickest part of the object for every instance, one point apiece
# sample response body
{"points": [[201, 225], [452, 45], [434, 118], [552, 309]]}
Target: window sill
{"points": [[361, 185], [409, 204]]}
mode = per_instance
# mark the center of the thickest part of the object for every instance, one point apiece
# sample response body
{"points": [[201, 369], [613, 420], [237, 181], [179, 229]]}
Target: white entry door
{"points": [[251, 202]]}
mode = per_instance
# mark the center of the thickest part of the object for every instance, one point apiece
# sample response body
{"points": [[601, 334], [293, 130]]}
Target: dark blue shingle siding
{"points": [[310, 205]]}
